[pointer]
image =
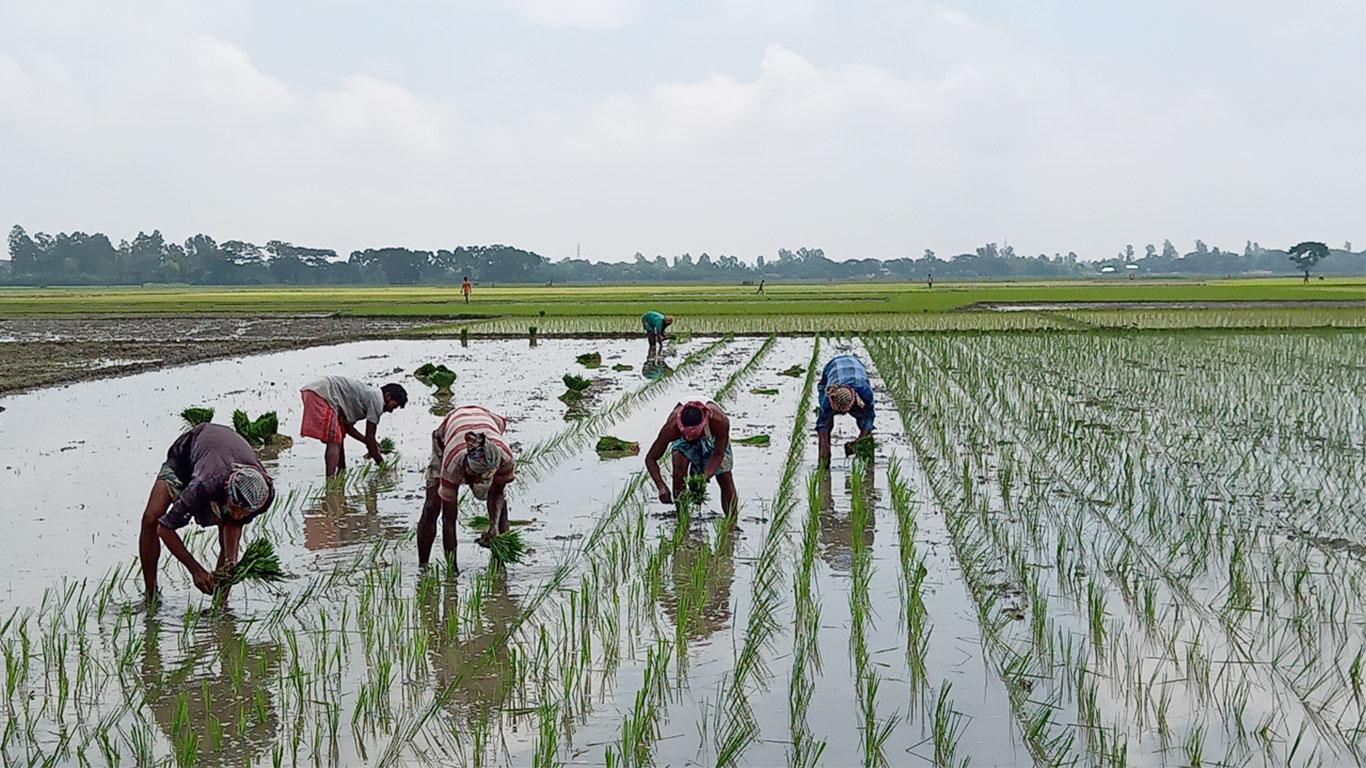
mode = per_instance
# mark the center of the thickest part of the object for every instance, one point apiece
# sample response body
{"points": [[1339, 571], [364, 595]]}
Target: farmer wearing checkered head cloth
{"points": [[213, 477], [844, 391], [697, 436], [467, 448]]}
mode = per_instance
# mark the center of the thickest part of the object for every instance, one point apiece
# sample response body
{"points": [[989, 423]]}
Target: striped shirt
{"points": [[450, 439]]}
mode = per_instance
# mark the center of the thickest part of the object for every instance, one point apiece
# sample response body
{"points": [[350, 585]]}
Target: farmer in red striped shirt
{"points": [[469, 447]]}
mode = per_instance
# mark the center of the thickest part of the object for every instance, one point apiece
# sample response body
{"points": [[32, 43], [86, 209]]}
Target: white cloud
{"points": [[576, 13]]}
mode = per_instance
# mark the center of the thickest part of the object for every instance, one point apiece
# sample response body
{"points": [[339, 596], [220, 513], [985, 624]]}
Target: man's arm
{"points": [[497, 511], [661, 444], [203, 580], [371, 444], [720, 434]]}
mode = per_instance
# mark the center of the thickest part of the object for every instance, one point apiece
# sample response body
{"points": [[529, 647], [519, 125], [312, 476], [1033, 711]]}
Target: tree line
{"points": [[77, 258]]}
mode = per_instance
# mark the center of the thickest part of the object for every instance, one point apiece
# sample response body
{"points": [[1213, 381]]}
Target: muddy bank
{"points": [[39, 352]]}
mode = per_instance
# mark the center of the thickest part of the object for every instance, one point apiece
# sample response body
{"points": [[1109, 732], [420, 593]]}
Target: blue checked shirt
{"points": [[845, 369]]}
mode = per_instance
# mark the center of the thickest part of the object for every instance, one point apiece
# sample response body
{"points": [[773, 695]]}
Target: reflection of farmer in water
{"points": [[222, 681], [333, 405], [697, 433], [468, 447], [655, 323], [844, 389], [472, 665], [655, 366], [711, 609], [837, 529], [338, 519], [212, 476]]}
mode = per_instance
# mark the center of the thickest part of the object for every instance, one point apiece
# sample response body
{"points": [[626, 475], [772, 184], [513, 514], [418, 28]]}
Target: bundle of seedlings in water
{"points": [[622, 367], [756, 440], [590, 359], [862, 448], [261, 432], [614, 448], [795, 371], [574, 388], [507, 547], [195, 416], [258, 564], [764, 391], [387, 446], [694, 490], [442, 378]]}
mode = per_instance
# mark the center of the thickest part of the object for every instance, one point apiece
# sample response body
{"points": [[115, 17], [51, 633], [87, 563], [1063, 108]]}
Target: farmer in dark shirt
{"points": [[844, 390], [211, 476]]}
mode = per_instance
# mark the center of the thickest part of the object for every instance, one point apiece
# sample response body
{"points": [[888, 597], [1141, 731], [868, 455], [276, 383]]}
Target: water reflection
{"points": [[339, 518], [656, 366], [837, 528], [466, 643], [216, 696], [701, 577]]}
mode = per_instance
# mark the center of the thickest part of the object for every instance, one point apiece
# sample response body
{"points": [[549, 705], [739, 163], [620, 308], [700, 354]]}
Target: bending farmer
{"points": [[211, 476], [844, 390], [333, 405], [655, 323], [468, 447], [697, 433]]}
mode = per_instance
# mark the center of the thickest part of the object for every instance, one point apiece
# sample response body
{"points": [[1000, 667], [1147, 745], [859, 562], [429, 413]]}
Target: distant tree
{"points": [[1129, 252], [1201, 249], [1169, 251], [1149, 251], [929, 255], [1307, 255], [1347, 246]]}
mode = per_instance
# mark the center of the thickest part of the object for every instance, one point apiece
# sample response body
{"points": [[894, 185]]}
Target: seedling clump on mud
{"points": [[694, 490], [194, 416], [436, 375], [258, 564], [755, 440], [387, 445], [612, 447], [260, 432], [590, 359], [862, 448], [620, 367], [576, 383], [794, 371], [764, 391]]}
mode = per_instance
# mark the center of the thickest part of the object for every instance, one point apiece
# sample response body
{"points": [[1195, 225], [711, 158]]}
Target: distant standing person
{"points": [[929, 280], [761, 287], [655, 323], [844, 390], [697, 434], [333, 405], [468, 447], [465, 289], [213, 477]]}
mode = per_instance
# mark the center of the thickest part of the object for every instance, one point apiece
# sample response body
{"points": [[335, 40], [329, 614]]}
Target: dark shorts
{"points": [[699, 452]]}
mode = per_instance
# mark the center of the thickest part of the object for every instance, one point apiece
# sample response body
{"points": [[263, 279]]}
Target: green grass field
{"points": [[805, 298]]}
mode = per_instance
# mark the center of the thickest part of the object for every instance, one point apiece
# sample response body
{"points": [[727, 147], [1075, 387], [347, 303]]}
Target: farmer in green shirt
{"points": [[655, 323]]}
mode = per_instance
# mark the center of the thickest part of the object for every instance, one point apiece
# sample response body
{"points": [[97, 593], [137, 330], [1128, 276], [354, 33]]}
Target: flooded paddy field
{"points": [[1069, 549]]}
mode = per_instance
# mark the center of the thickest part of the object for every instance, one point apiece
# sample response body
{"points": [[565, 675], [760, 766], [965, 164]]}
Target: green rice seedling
{"points": [[507, 548], [623, 367], [590, 359], [442, 378], [194, 416], [764, 391], [386, 445], [611, 447], [694, 490], [863, 449], [793, 371], [258, 564], [761, 440], [424, 371], [261, 431], [576, 383]]}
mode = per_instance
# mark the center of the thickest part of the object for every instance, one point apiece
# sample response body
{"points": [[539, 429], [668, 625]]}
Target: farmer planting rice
{"points": [[655, 323], [212, 476], [698, 435], [468, 447], [333, 405], [843, 390]]}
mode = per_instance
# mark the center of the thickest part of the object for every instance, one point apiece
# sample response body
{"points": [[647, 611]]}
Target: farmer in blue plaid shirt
{"points": [[844, 390]]}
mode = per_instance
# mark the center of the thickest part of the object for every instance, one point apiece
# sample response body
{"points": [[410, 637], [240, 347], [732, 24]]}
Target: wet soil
{"points": [[39, 352]]}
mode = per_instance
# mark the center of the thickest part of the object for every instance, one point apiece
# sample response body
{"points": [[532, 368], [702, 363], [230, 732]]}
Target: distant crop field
{"points": [[686, 301]]}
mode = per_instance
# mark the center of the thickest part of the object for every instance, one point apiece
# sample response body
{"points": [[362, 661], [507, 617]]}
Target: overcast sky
{"points": [[875, 128]]}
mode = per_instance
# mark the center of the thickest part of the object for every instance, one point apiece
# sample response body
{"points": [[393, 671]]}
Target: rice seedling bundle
{"points": [[794, 371], [507, 547], [194, 416], [863, 448], [386, 445], [612, 447], [442, 378], [258, 563], [590, 359], [761, 440], [260, 431], [764, 391], [621, 367], [576, 383]]}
